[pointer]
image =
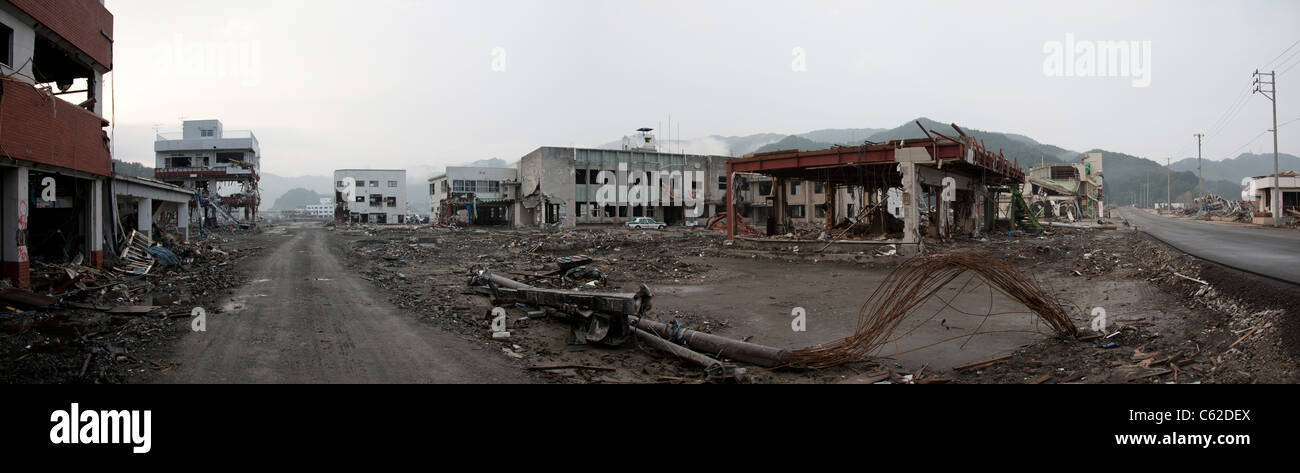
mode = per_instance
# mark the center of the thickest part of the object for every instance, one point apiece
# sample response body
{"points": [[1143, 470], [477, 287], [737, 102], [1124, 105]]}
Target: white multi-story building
{"points": [[373, 195], [324, 210], [223, 166]]}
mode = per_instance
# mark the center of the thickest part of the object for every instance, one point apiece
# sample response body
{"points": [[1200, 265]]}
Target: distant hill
{"points": [[298, 198], [1243, 166], [793, 142], [1127, 177], [842, 136], [132, 169]]}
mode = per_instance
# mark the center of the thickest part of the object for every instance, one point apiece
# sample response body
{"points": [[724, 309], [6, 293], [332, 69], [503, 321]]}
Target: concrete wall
{"points": [[382, 177], [24, 43], [551, 170]]}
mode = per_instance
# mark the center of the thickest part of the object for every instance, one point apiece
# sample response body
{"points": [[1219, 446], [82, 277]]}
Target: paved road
{"points": [[306, 318], [1267, 251]]}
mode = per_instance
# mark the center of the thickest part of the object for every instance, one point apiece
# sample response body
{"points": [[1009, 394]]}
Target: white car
{"points": [[646, 222]]}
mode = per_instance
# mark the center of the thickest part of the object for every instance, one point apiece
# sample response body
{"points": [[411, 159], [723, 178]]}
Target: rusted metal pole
{"points": [[722, 347]]}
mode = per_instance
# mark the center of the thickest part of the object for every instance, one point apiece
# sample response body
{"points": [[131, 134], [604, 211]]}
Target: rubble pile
{"points": [[1211, 206], [81, 324]]}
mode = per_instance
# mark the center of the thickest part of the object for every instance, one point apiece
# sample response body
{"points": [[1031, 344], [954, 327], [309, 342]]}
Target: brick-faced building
{"points": [[54, 152]]}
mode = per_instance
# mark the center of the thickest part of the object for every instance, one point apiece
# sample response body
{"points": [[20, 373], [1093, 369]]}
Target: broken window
{"points": [[765, 188], [361, 198], [817, 187], [722, 183], [360, 182], [638, 211], [650, 212], [390, 201], [796, 211], [794, 187], [376, 200], [226, 158], [820, 211], [374, 183], [580, 176], [392, 183], [7, 47], [180, 161], [338, 183]]}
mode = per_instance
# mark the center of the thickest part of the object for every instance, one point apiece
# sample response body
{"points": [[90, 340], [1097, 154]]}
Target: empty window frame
{"points": [[376, 200], [390, 201], [374, 183], [392, 183], [796, 211], [361, 198], [580, 176], [6, 45], [722, 183]]}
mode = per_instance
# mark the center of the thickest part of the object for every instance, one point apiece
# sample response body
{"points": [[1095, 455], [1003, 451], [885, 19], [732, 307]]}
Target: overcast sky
{"points": [[331, 84]]}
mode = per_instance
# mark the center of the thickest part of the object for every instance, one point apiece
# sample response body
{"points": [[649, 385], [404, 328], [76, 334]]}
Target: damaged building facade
{"points": [[571, 186], [370, 195], [222, 168], [891, 193], [474, 195], [54, 152], [1068, 191]]}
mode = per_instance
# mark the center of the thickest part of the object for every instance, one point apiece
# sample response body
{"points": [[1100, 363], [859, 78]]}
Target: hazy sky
{"points": [[331, 84]]}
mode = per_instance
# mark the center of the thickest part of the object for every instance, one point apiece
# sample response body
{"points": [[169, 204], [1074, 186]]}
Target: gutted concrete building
{"points": [[572, 186], [54, 152], [474, 195], [937, 184], [221, 166]]}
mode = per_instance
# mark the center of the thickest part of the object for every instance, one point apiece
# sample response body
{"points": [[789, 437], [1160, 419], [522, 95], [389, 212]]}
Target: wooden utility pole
{"points": [[1169, 181]]}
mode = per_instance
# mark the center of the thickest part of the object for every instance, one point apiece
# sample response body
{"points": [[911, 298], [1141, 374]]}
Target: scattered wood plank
{"points": [[1148, 374], [132, 309], [27, 298], [565, 367], [983, 364], [1041, 379]]}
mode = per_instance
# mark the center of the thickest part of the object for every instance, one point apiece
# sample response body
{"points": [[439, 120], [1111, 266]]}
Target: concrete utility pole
{"points": [[1169, 184], [1200, 181], [1274, 196]]}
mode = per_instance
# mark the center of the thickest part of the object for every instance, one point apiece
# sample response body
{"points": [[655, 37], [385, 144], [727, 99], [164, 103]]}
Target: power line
{"points": [[1292, 66], [1248, 143], [1288, 48]]}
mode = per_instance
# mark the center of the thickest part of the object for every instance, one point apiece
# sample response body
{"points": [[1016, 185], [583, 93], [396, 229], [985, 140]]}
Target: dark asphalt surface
{"points": [[308, 318], [1271, 252]]}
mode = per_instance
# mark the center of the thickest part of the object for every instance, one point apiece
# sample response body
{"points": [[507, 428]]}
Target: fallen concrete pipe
{"points": [[752, 353], [675, 349]]}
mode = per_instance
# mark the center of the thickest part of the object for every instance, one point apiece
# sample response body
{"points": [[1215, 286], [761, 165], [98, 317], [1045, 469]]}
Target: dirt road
{"points": [[307, 318]]}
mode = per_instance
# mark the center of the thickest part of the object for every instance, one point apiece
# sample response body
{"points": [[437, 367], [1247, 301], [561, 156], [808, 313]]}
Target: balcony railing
{"points": [[226, 134]]}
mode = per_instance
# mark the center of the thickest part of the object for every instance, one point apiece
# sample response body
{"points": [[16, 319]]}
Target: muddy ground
{"points": [[1162, 327]]}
